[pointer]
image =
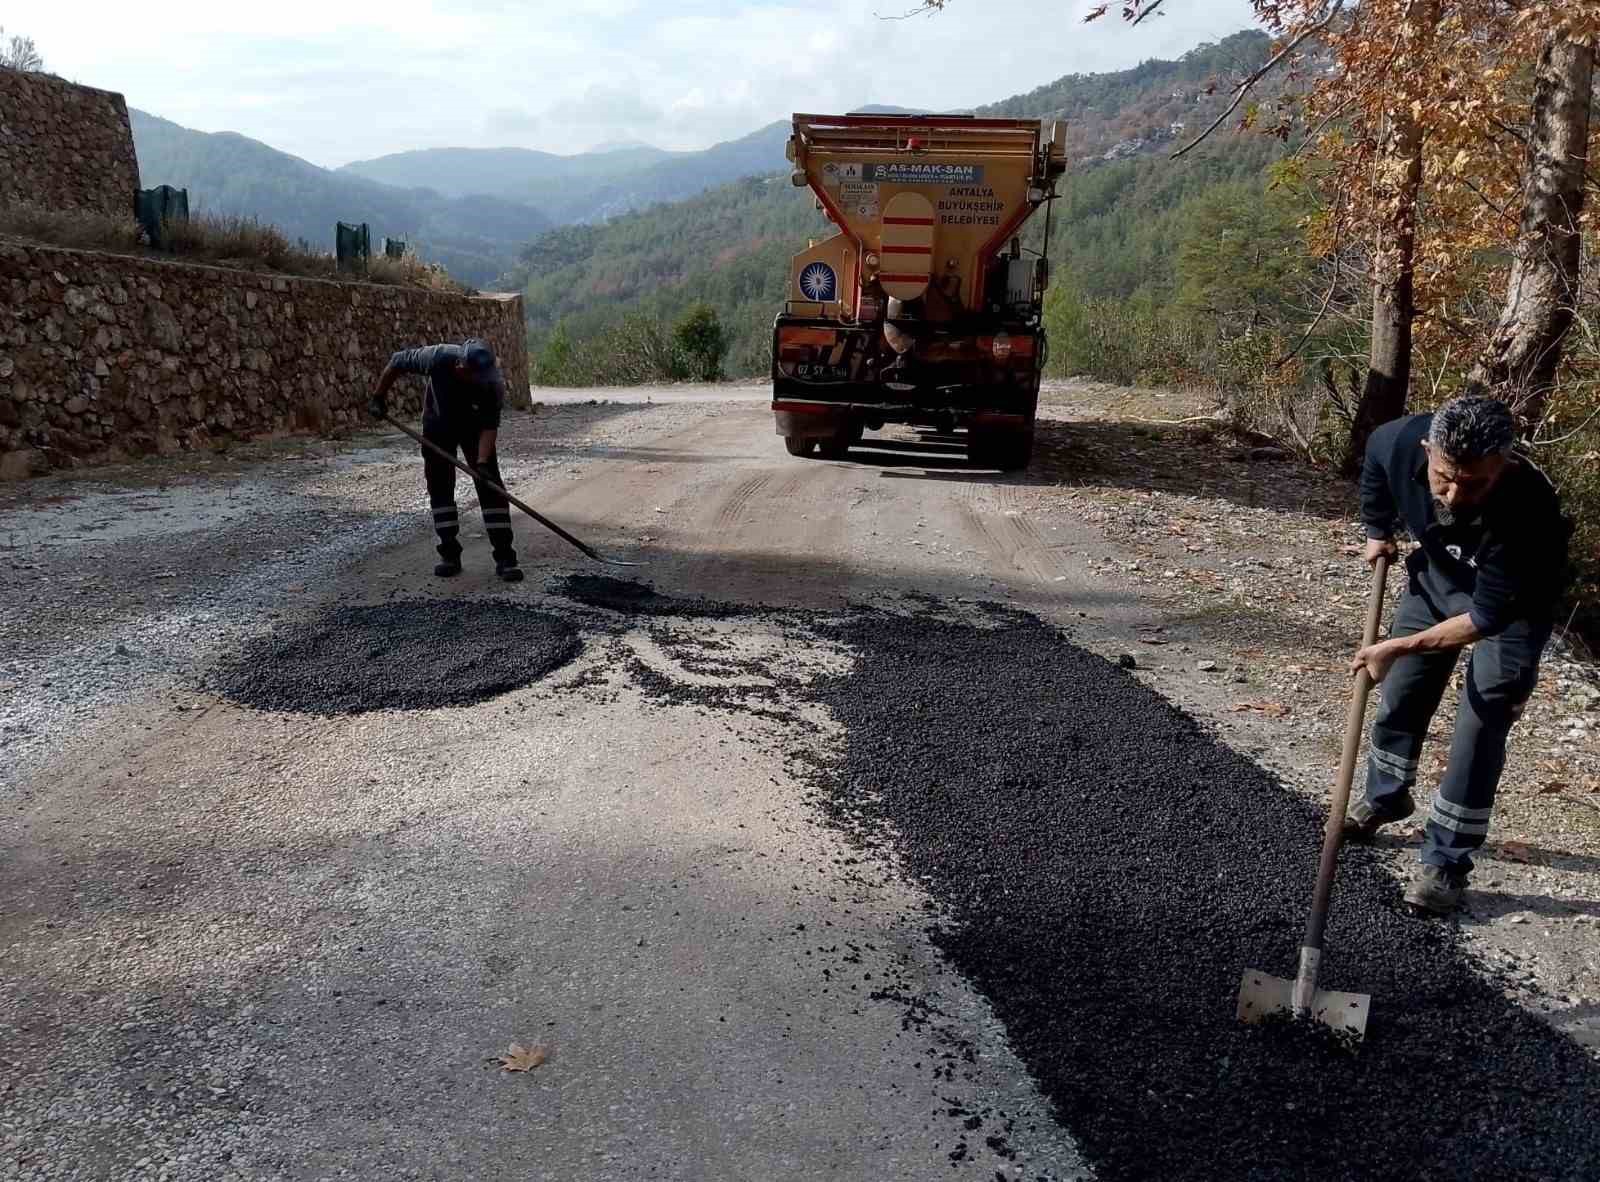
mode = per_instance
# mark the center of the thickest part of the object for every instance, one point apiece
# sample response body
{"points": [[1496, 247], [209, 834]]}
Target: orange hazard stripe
{"points": [[920, 277], [908, 221], [806, 336], [907, 250]]}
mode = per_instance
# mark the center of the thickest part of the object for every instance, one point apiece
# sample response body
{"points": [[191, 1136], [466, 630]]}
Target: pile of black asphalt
{"points": [[1107, 871], [628, 597], [403, 655]]}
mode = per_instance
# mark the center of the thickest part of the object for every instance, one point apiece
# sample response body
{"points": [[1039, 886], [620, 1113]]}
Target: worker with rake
{"points": [[1487, 571], [461, 409]]}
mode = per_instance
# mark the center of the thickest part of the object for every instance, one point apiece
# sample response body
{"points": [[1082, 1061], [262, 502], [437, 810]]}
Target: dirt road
{"points": [[241, 941]]}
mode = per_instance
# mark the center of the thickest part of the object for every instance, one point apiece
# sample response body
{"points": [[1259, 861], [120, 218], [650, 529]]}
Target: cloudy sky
{"points": [[339, 81]]}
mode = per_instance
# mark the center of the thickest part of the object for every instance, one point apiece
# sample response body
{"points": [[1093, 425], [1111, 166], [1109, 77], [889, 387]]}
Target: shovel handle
{"points": [[479, 476], [1333, 835]]}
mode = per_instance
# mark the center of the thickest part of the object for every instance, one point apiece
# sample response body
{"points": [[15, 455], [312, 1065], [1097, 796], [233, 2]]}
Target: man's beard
{"points": [[1443, 513]]}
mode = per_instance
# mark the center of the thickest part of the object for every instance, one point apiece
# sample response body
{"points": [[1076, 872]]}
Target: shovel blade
{"points": [[1262, 995]]}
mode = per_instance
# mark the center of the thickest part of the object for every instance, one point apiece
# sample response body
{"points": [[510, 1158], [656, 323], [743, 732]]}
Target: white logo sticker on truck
{"points": [[913, 173]]}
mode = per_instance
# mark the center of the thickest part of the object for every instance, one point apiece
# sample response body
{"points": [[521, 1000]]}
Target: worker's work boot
{"points": [[1362, 822], [1436, 890], [509, 572], [448, 569]]}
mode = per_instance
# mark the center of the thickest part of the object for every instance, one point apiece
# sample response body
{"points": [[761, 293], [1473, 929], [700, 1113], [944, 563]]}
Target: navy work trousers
{"points": [[441, 478], [1499, 680]]}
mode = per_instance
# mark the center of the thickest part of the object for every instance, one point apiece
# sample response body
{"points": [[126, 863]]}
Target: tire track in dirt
{"points": [[735, 508]]}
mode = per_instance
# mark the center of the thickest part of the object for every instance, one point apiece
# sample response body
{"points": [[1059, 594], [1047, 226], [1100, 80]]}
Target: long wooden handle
{"points": [[1333, 835], [533, 513]]}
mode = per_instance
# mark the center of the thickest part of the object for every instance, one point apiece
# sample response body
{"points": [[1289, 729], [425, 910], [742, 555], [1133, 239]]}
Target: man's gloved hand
{"points": [[378, 408]]}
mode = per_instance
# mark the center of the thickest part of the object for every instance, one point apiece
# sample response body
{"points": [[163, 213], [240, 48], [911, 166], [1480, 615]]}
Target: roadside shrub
{"points": [[410, 271], [701, 342], [213, 239], [78, 229], [242, 242], [553, 363]]}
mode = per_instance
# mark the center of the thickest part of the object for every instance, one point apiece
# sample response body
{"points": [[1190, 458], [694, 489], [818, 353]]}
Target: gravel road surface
{"points": [[770, 894]]}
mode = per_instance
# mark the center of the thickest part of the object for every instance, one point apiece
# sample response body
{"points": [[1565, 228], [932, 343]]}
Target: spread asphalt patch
{"points": [[629, 597], [1108, 872], [404, 655], [1104, 872]]}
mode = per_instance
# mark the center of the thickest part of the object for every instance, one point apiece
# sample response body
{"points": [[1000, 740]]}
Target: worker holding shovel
{"points": [[1487, 571], [461, 408]]}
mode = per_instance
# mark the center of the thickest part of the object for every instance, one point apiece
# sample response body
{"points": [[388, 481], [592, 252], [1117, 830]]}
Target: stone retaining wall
{"points": [[65, 146], [103, 356]]}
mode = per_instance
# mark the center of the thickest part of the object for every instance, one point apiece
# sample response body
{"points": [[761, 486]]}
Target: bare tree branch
{"points": [[1245, 87], [1145, 12]]}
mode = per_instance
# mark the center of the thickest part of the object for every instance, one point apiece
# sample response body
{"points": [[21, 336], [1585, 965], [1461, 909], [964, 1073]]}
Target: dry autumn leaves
{"points": [[521, 1058]]}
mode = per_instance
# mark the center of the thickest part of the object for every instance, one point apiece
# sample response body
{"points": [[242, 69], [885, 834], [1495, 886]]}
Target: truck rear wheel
{"points": [[1014, 451], [838, 447], [1010, 451], [796, 445]]}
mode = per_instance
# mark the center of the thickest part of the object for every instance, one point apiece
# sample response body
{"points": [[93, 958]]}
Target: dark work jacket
{"points": [[461, 401], [1508, 563]]}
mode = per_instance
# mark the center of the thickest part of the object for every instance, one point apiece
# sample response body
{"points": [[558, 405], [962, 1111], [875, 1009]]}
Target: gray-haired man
{"points": [[1487, 571]]}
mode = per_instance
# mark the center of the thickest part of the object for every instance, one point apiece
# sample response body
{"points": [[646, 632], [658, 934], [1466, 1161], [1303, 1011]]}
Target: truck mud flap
{"points": [[811, 420]]}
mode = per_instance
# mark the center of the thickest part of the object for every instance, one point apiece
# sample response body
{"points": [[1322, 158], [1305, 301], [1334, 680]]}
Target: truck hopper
{"points": [[922, 307]]}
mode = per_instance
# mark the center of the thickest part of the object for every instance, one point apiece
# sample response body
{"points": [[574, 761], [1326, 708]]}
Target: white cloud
{"points": [[336, 82]]}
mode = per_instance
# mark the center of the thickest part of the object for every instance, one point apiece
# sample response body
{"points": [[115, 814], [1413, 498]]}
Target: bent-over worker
{"points": [[461, 408], [1487, 571]]}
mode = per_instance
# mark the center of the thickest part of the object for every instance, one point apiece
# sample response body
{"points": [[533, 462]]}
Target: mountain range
{"points": [[476, 209]]}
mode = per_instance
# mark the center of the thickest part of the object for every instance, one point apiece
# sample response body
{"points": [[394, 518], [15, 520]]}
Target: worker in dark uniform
{"points": [[461, 408], [1488, 570]]}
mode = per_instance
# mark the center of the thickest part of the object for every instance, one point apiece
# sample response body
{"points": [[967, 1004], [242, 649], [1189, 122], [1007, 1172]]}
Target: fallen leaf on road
{"points": [[1270, 709], [521, 1058], [1515, 851], [1553, 788]]}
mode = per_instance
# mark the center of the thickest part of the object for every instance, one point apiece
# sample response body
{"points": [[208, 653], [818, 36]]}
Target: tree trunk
{"points": [[1519, 365], [1389, 358]]}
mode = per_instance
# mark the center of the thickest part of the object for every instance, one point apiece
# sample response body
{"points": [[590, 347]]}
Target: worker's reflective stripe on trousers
{"points": [[1396, 765], [448, 513], [1459, 819], [497, 516]]}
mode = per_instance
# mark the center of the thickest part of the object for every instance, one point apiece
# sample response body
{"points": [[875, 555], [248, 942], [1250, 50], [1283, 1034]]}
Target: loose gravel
{"points": [[1109, 871], [420, 654]]}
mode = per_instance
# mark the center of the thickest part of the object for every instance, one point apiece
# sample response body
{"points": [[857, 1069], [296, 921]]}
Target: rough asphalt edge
{"points": [[1008, 938], [183, 636], [613, 606], [189, 632]]}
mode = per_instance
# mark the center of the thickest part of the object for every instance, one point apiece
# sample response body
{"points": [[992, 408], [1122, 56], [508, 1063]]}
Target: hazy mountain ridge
{"points": [[590, 187], [227, 173], [474, 209]]}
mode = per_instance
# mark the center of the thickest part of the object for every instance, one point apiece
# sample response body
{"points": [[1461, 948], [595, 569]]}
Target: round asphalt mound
{"points": [[405, 655], [1108, 871]]}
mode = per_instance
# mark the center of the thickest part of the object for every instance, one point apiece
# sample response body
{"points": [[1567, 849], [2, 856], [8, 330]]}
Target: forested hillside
{"points": [[1116, 230], [475, 237], [1152, 104], [590, 187]]}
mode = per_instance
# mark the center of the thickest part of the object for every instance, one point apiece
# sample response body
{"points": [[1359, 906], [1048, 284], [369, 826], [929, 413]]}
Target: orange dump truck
{"points": [[922, 308]]}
